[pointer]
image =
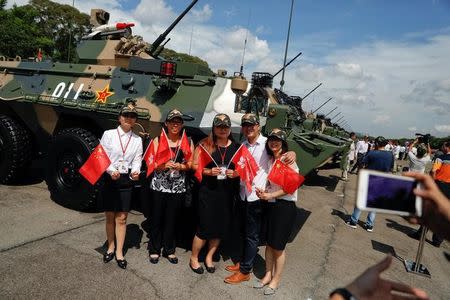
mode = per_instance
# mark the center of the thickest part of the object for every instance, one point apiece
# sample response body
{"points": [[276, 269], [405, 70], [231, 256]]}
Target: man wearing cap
{"points": [[251, 209], [379, 160]]}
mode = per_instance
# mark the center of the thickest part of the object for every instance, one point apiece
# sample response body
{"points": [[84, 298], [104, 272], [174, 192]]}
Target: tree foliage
{"points": [[42, 24], [49, 26], [20, 34]]}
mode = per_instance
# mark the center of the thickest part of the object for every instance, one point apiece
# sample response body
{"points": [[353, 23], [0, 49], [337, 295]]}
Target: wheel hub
{"points": [[68, 168]]}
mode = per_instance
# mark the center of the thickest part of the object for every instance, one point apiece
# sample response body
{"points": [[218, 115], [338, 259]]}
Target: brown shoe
{"points": [[233, 268], [237, 278]]}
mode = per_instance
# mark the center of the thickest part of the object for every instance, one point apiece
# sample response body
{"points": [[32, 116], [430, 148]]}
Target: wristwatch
{"points": [[344, 293]]}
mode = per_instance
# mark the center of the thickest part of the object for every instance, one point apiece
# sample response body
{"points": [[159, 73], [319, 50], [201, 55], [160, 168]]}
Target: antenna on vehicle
{"points": [[190, 41], [241, 70], [287, 45], [70, 35]]}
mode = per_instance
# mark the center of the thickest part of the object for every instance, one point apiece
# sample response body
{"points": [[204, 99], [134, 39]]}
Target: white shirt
{"points": [[273, 187], [362, 147], [133, 152], [351, 153], [418, 164], [259, 153]]}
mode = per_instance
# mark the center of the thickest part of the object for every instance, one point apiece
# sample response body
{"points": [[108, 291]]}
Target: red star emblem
{"points": [[102, 95]]}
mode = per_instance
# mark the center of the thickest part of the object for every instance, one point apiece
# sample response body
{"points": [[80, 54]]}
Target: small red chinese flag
{"points": [[203, 159], [39, 55], [245, 165], [163, 153], [185, 146], [286, 177], [95, 165], [149, 158]]}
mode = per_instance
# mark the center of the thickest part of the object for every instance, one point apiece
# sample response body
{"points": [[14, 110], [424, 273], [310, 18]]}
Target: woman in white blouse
{"points": [[124, 149], [281, 213]]}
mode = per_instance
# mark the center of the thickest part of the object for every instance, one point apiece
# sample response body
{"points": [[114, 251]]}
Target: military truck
{"points": [[57, 111]]}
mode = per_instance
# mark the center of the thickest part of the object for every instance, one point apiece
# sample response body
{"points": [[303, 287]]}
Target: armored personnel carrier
{"points": [[58, 111]]}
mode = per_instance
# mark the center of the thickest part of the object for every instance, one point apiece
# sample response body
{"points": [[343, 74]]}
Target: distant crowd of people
{"points": [[382, 155]]}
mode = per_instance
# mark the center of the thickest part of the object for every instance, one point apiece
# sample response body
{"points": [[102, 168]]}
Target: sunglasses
{"points": [[129, 115]]}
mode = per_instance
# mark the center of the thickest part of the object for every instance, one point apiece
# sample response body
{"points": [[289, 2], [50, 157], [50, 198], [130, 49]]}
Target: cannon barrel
{"points": [[322, 104], [163, 36], [312, 91], [286, 65]]}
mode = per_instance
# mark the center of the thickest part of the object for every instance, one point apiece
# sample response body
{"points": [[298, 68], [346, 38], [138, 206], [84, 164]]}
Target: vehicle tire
{"points": [[15, 149], [68, 151]]}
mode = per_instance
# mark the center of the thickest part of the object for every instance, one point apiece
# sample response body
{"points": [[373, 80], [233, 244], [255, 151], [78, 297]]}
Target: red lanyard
{"points": [[222, 156], [121, 145]]}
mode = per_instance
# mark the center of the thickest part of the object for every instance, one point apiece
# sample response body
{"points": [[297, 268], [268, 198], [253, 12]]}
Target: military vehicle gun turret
{"points": [[277, 109], [57, 111]]}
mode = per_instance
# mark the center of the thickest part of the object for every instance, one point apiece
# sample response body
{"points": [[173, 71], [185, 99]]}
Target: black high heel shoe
{"points": [[153, 260], [199, 270], [172, 260], [210, 269], [122, 263], [107, 257]]}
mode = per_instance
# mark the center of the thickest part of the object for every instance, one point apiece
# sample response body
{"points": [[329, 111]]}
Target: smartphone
{"points": [[388, 193]]}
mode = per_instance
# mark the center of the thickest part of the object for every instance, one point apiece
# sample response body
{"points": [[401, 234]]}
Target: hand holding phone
{"points": [[387, 193]]}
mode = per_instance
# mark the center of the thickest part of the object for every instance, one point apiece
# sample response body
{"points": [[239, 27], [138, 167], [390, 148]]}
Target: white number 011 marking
{"points": [[61, 87]]}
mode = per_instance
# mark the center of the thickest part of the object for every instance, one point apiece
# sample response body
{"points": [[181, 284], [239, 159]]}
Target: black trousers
{"points": [[359, 160], [254, 216], [445, 189], [165, 208]]}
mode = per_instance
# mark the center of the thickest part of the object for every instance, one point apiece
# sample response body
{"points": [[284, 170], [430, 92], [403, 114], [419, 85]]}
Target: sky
{"points": [[385, 63]]}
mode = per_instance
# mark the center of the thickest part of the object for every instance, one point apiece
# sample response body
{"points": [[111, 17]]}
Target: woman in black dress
{"points": [[281, 212], [124, 149], [216, 192]]}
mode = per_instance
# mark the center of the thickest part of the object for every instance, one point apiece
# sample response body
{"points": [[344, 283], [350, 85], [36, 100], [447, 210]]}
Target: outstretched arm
{"points": [[369, 285]]}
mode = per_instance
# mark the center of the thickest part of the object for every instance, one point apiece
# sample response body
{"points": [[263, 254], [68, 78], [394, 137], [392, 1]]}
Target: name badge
{"points": [[122, 167], [223, 173], [174, 174]]}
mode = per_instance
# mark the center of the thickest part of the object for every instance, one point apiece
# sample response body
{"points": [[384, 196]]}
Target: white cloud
{"points": [[442, 128], [202, 15], [382, 119], [412, 128], [350, 70], [408, 81]]}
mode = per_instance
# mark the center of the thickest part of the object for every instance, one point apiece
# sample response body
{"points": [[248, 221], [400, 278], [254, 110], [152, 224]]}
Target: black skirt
{"points": [[280, 219], [116, 194]]}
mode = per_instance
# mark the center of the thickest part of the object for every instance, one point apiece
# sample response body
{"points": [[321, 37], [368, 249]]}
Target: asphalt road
{"points": [[47, 251]]}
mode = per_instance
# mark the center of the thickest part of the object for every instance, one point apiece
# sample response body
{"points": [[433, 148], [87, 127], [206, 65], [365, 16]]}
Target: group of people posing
{"points": [[222, 196]]}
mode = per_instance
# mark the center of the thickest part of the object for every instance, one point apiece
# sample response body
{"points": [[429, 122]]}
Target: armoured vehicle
{"points": [[58, 111]]}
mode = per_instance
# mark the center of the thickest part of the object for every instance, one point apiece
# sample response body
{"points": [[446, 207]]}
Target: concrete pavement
{"points": [[47, 251]]}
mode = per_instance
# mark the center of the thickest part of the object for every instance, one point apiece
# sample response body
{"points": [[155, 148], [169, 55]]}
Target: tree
{"points": [[61, 22], [20, 34]]}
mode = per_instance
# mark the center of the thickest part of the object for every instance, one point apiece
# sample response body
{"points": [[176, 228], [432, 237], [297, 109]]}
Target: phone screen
{"points": [[391, 194]]}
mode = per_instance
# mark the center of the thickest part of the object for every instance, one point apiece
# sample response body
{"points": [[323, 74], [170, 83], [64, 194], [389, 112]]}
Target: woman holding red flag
{"points": [[124, 149], [281, 209], [168, 188], [218, 187]]}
